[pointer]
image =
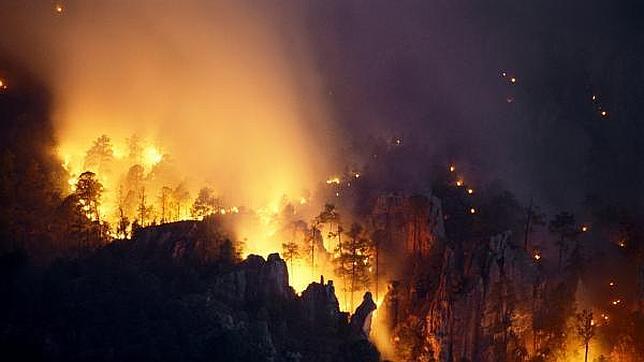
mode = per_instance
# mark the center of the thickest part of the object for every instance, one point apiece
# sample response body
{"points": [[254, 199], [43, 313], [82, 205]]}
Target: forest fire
{"points": [[329, 188]]}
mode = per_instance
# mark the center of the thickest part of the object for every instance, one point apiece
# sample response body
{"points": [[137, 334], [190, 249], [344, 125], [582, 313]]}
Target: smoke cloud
{"points": [[227, 89]]}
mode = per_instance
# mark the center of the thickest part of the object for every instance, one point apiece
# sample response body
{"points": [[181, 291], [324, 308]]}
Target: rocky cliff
{"points": [[462, 301]]}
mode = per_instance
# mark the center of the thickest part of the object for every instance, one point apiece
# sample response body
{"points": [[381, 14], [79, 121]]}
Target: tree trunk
{"points": [[586, 355]]}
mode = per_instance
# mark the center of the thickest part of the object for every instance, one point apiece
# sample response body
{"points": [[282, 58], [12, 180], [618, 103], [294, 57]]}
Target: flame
{"points": [[333, 180], [151, 156]]}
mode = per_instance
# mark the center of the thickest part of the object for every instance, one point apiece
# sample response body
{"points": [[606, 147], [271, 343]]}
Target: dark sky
{"points": [[430, 71]]}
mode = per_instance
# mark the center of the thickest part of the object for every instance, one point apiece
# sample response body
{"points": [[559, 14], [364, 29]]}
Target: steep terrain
{"points": [[174, 292]]}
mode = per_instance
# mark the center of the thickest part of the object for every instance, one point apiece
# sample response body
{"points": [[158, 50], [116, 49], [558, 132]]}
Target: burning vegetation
{"points": [[196, 203]]}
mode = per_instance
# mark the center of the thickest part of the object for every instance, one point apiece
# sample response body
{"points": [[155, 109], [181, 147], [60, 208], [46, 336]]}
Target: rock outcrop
{"points": [[361, 319], [479, 307]]}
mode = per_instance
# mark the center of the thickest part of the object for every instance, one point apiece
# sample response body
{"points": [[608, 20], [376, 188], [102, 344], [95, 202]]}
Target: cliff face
{"points": [[469, 301], [481, 309]]}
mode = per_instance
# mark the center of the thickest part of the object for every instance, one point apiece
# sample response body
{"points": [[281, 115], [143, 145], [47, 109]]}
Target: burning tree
{"points": [[585, 327], [353, 262], [205, 204]]}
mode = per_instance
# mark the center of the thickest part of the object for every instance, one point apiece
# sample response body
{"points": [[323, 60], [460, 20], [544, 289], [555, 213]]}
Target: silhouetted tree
{"points": [[88, 191], [123, 224], [205, 204], [290, 252], [563, 225], [144, 209], [353, 260], [164, 199], [180, 196], [100, 155], [585, 328], [533, 218]]}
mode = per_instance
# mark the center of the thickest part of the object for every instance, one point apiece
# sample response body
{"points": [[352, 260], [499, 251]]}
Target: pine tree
{"points": [[585, 328], [353, 260], [290, 252]]}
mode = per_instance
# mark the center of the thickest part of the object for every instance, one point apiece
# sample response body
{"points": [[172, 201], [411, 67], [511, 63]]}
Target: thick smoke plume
{"points": [[225, 88]]}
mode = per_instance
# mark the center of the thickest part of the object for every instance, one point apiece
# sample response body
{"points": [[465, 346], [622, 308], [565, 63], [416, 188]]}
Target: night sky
{"points": [[431, 71]]}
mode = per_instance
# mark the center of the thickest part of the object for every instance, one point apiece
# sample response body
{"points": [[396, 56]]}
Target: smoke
{"points": [[227, 89]]}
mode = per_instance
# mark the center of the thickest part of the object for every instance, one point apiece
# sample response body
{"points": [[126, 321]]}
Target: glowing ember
{"points": [[452, 168], [594, 98], [472, 210], [603, 113], [612, 284], [584, 228], [333, 180], [616, 302], [3, 84], [470, 191], [537, 257], [59, 9], [459, 183], [513, 80], [356, 175], [621, 243]]}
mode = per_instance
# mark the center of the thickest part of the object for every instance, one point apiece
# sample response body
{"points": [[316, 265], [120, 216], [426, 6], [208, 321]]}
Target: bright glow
{"points": [[470, 191], [151, 156], [612, 284], [472, 211], [459, 183], [452, 168], [333, 180], [604, 113], [537, 257], [513, 80], [584, 228]]}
